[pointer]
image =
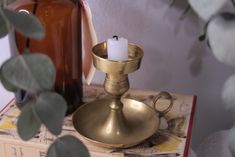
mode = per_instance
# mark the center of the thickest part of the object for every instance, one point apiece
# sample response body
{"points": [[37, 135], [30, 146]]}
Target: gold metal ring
{"points": [[165, 95]]}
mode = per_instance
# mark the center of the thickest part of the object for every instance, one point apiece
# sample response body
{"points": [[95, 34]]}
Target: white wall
{"points": [[5, 96], [174, 59]]}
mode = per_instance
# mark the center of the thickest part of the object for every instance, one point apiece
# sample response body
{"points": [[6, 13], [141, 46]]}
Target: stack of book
{"points": [[171, 140]]}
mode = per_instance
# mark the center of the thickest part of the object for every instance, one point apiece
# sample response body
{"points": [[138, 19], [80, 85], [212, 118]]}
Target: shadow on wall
{"points": [[180, 5], [126, 15], [182, 16], [196, 54], [120, 16], [187, 20]]}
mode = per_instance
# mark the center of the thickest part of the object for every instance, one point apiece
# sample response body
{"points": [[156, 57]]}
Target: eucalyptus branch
{"points": [[35, 74]]}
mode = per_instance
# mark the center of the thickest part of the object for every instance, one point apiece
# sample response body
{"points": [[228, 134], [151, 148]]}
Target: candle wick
{"points": [[116, 37]]}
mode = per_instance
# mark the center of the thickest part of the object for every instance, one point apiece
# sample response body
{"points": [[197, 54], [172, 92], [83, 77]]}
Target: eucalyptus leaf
{"points": [[3, 27], [6, 84], [51, 109], [206, 8], [68, 146], [25, 23], [231, 140], [28, 124], [31, 72], [228, 96], [221, 35]]}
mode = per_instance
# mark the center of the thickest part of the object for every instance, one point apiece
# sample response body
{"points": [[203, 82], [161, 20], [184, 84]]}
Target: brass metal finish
{"points": [[116, 129], [107, 66], [164, 95], [115, 122]]}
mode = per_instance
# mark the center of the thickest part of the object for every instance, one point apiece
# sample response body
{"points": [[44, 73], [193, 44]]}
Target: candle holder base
{"points": [[96, 122]]}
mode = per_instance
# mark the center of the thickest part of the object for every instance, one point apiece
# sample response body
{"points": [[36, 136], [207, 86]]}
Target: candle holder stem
{"points": [[116, 124], [116, 85]]}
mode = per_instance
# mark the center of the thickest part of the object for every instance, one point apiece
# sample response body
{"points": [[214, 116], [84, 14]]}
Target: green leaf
{"points": [[228, 96], [51, 109], [6, 84], [221, 35], [206, 8], [25, 23], [3, 27], [68, 146], [31, 72], [28, 123], [231, 140]]}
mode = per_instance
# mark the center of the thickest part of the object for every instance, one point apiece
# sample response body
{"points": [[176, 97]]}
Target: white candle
{"points": [[117, 49]]}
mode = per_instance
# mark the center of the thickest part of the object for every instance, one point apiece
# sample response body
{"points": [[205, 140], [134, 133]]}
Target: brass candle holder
{"points": [[117, 122]]}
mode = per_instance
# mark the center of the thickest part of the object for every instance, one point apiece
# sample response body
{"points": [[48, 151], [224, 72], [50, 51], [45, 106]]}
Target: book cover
{"points": [[171, 140]]}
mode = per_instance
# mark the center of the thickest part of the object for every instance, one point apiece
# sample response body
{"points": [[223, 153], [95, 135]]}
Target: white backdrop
{"points": [[5, 96], [174, 59]]}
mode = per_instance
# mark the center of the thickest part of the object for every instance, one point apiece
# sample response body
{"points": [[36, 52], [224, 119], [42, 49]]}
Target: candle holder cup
{"points": [[117, 122]]}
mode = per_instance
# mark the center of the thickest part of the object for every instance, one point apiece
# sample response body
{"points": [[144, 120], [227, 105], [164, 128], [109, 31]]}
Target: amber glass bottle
{"points": [[62, 43]]}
